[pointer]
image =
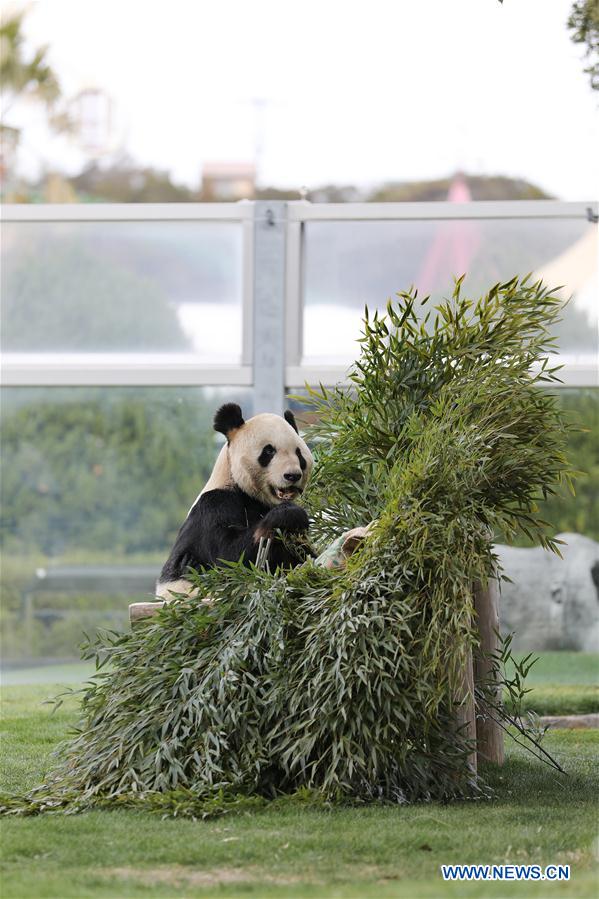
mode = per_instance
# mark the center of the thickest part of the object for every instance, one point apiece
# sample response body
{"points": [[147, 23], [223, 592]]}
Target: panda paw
{"points": [[286, 517]]}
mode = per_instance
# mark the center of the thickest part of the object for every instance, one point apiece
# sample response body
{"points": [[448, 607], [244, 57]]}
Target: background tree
{"points": [[579, 513], [62, 295], [26, 78], [101, 470], [584, 25], [481, 187], [124, 181]]}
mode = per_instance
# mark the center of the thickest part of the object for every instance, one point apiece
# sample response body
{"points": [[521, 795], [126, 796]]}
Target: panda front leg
{"points": [[291, 547]]}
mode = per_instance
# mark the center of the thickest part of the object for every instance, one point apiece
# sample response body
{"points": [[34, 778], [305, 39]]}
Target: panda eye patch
{"points": [[266, 455], [302, 461]]}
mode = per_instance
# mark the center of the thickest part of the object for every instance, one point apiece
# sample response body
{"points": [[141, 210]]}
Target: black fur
{"points": [[227, 418], [302, 461], [290, 419], [224, 524], [266, 455]]}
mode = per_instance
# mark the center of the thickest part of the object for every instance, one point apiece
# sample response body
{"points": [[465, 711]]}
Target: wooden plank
{"points": [[138, 611]]}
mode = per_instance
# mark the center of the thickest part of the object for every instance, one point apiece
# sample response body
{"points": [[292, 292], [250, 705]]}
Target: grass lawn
{"points": [[68, 673], [536, 817], [564, 668], [564, 683]]}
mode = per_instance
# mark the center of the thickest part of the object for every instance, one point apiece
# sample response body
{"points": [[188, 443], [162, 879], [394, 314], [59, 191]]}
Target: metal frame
{"points": [[118, 370], [269, 306], [127, 212], [294, 294], [302, 211], [273, 249]]}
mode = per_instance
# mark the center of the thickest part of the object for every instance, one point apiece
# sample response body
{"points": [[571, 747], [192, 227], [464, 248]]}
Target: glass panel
{"points": [[153, 287], [96, 483], [350, 264]]}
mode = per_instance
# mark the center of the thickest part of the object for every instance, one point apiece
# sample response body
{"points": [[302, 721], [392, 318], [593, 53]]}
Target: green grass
{"points": [[535, 817], [65, 673], [564, 668], [554, 699], [564, 683]]}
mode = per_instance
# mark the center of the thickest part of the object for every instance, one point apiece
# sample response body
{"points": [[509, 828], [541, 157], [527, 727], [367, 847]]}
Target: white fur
{"points": [[247, 442], [221, 477], [165, 591], [237, 462]]}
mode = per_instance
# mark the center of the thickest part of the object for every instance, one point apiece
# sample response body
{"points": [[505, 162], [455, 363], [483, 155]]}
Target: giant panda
{"points": [[261, 469]]}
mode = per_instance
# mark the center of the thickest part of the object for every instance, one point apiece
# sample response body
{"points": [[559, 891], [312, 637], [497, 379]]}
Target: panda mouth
{"points": [[286, 493]]}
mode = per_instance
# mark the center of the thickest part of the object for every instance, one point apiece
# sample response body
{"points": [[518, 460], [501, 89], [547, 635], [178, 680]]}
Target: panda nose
{"points": [[292, 476]]}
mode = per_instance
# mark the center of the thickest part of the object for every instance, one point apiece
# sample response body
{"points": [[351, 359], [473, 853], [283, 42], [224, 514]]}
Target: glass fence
{"points": [[352, 264], [123, 287], [96, 483], [123, 330]]}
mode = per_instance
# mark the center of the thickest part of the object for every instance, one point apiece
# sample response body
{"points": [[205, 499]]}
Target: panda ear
{"points": [[227, 418], [290, 418]]}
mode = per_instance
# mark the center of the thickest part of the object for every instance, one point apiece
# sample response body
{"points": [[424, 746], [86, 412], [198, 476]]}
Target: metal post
{"points": [[269, 306]]}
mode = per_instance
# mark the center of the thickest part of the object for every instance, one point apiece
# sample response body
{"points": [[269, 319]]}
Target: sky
{"points": [[353, 91]]}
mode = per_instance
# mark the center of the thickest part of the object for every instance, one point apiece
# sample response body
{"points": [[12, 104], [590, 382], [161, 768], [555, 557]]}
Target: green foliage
{"points": [[269, 690], [124, 181], [345, 682], [584, 25], [102, 470], [455, 391], [578, 514], [21, 77], [26, 77], [34, 76]]}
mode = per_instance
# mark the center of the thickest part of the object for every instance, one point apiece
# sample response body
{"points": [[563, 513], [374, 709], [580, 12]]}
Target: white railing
{"points": [[272, 293]]}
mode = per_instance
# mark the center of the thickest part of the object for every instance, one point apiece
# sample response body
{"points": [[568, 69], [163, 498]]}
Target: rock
{"points": [[552, 603]]}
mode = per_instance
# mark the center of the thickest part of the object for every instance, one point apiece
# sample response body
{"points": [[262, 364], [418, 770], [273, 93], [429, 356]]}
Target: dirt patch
{"points": [[571, 722], [187, 876], [182, 875]]}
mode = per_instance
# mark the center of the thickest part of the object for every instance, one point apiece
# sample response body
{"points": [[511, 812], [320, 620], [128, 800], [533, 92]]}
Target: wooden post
{"points": [[486, 607]]}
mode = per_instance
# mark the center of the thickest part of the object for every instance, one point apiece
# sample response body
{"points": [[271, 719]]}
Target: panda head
{"points": [[267, 458]]}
